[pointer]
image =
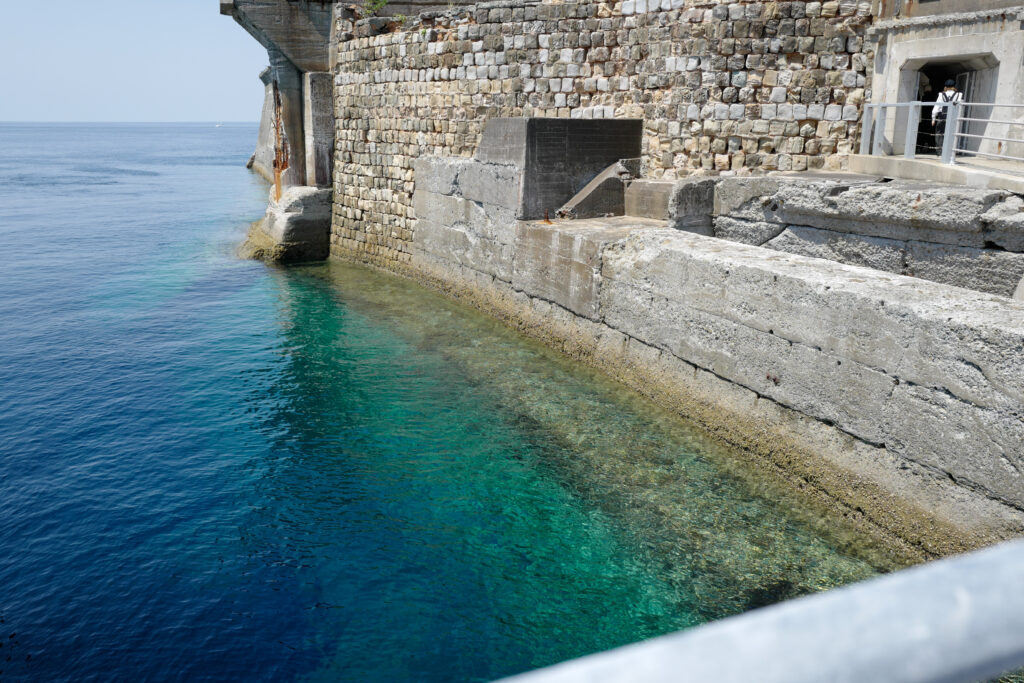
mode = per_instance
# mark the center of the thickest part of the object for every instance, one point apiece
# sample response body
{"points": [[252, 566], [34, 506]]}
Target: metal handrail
{"points": [[873, 129], [960, 619], [988, 137], [989, 154], [1009, 123]]}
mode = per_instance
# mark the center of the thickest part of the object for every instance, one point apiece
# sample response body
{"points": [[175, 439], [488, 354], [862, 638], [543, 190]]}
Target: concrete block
{"points": [[854, 250], [948, 215], [295, 228], [561, 262], [960, 216], [692, 205], [503, 141], [465, 247], [492, 184], [649, 198], [744, 231], [487, 220], [1005, 225], [747, 197]]}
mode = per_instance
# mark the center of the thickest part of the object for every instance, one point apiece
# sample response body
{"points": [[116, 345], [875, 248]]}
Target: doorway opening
{"points": [[975, 76]]}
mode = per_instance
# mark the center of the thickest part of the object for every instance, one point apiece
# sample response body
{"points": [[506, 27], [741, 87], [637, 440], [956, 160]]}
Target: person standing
{"points": [[947, 96]]}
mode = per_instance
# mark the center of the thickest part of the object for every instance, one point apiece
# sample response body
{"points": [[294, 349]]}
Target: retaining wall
{"points": [[897, 399]]}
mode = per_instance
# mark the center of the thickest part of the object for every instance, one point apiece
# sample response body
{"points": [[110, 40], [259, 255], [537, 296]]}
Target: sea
{"points": [[216, 469]]}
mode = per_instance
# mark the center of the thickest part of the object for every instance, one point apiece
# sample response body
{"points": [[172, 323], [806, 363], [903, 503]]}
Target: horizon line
{"points": [[155, 122]]}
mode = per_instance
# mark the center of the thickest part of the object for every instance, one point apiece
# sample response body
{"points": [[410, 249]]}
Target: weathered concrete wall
{"points": [[896, 397], [263, 157], [740, 87], [318, 125], [989, 41], [931, 374], [972, 238]]}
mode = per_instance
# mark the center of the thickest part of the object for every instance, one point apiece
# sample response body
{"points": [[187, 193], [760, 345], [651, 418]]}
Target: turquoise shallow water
{"points": [[211, 469]]}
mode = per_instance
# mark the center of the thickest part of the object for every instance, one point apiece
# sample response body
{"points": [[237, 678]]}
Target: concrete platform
{"points": [[992, 174]]}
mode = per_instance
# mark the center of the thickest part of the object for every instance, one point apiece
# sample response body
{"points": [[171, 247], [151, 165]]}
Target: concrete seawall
{"points": [[894, 399]]}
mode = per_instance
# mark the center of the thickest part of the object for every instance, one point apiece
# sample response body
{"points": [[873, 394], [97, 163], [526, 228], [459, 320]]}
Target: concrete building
{"points": [[979, 44]]}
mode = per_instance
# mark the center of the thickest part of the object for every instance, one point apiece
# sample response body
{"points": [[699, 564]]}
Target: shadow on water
{"points": [[473, 504]]}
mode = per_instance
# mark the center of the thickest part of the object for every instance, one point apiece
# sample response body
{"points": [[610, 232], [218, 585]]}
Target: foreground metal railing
{"points": [[960, 619], [966, 128]]}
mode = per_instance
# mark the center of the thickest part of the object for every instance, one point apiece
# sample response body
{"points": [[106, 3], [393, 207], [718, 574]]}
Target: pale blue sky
{"points": [[126, 60]]}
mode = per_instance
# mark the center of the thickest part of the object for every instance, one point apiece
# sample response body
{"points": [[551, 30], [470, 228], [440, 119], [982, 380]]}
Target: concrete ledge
{"points": [[883, 390], [935, 172], [649, 198], [561, 262], [962, 236], [910, 511], [930, 373]]}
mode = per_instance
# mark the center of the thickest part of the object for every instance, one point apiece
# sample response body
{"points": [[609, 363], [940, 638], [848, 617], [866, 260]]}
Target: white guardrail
{"points": [[968, 121], [954, 620]]}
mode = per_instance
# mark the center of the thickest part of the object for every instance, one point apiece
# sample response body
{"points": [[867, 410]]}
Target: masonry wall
{"points": [[722, 87]]}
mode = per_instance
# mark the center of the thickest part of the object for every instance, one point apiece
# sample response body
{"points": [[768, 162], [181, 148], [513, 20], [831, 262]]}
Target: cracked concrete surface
{"points": [[896, 399]]}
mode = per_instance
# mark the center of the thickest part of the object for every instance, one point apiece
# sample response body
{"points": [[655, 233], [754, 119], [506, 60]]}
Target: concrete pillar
{"points": [[318, 108], [263, 157], [289, 142]]}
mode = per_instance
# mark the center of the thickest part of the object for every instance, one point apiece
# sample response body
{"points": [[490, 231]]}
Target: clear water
{"points": [[212, 469]]}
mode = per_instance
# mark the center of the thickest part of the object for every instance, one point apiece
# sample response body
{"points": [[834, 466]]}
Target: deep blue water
{"points": [[213, 469]]}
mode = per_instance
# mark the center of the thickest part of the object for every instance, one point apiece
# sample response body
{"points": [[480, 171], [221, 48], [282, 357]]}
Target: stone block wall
{"points": [[735, 87]]}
